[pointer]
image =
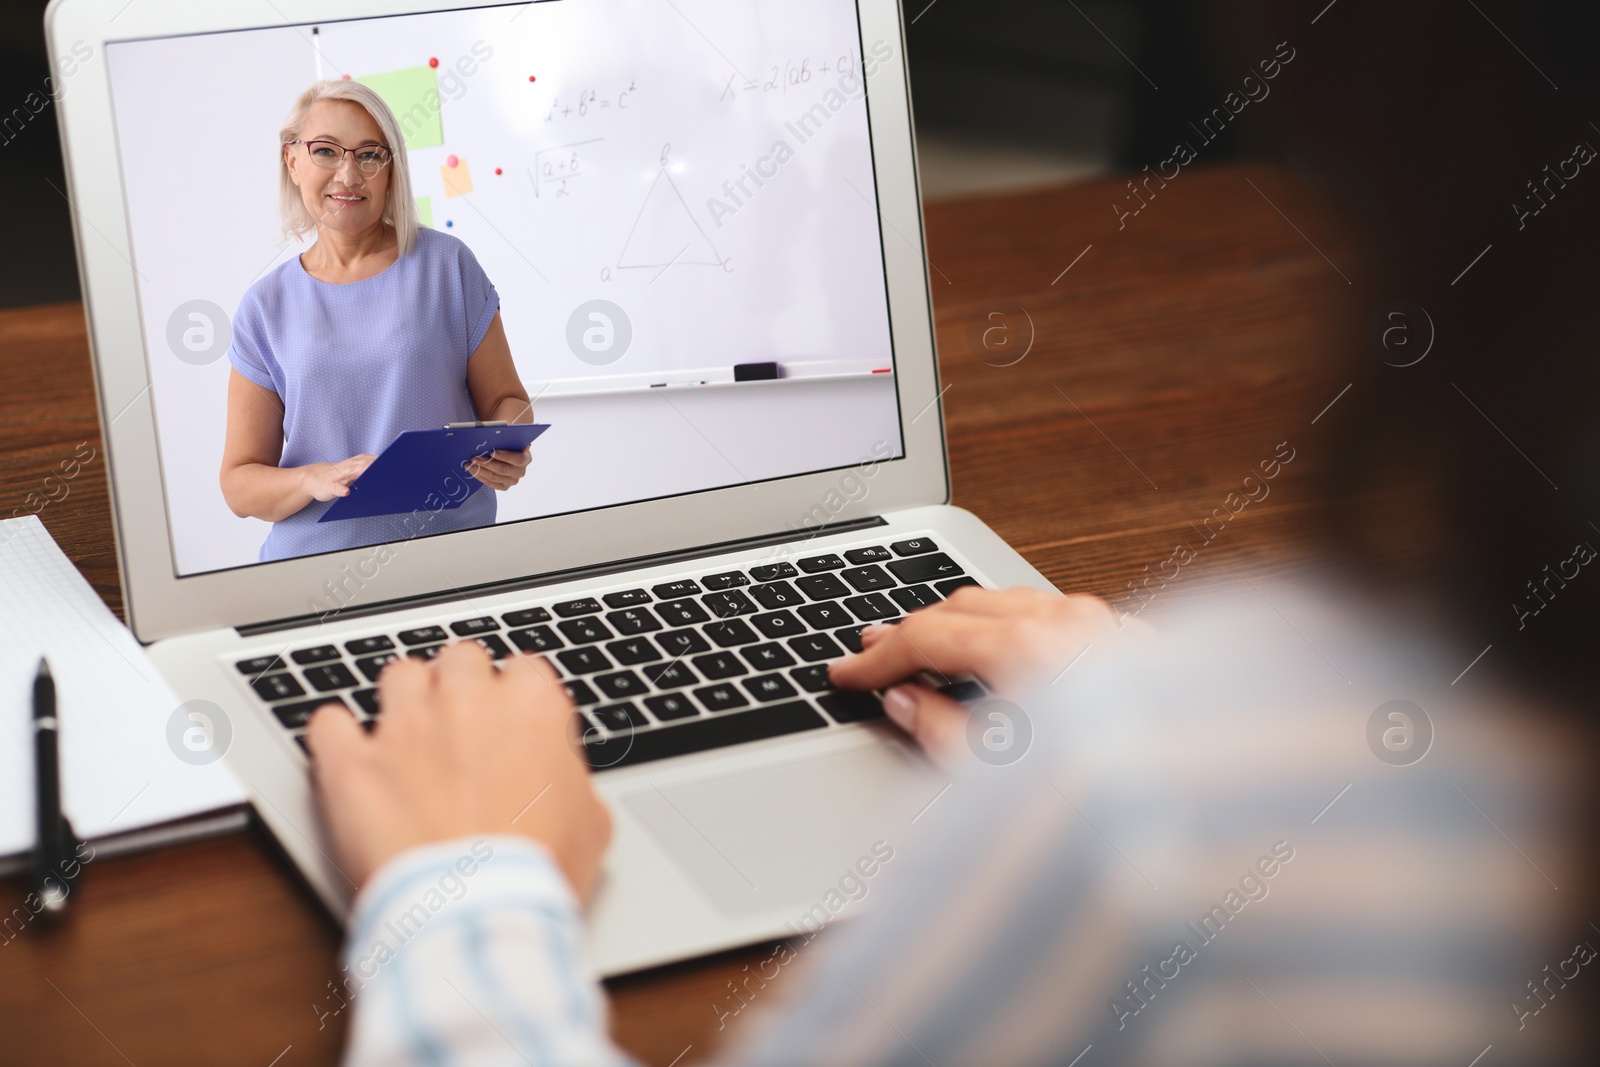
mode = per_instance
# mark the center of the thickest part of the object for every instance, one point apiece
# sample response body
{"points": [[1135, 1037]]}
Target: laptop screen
{"points": [[652, 229]]}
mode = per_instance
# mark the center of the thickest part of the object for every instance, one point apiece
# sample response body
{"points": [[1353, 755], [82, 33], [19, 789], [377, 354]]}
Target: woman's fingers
{"points": [[461, 749], [536, 677], [499, 470], [950, 642], [514, 459], [489, 477], [1009, 638], [347, 793], [1016, 601], [346, 471], [934, 721], [332, 732], [464, 669], [510, 464], [405, 692]]}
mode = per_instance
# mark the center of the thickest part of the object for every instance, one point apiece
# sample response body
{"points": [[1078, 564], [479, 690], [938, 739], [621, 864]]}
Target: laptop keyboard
{"points": [[680, 666]]}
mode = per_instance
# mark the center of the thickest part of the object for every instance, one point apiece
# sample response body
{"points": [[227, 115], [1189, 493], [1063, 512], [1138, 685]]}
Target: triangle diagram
{"points": [[666, 232]]}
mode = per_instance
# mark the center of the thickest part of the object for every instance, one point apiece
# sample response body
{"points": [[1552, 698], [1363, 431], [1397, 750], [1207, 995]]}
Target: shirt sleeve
{"points": [[479, 297], [246, 352], [468, 952], [1190, 848]]}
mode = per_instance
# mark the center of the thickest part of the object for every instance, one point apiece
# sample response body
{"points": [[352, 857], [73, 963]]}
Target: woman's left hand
{"points": [[500, 469]]}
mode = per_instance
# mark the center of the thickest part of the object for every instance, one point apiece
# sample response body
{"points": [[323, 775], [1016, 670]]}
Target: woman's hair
{"points": [[399, 209]]}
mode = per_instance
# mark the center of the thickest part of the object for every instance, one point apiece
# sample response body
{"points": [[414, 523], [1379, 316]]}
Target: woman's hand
{"points": [[500, 469], [460, 749], [325, 481], [1014, 639]]}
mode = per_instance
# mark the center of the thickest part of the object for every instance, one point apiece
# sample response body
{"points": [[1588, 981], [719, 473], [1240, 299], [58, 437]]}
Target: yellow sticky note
{"points": [[457, 179]]}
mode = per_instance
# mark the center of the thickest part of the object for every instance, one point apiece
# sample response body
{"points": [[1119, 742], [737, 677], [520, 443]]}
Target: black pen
{"points": [[50, 856]]}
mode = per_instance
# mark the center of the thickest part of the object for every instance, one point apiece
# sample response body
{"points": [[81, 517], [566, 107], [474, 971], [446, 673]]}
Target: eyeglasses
{"points": [[329, 155]]}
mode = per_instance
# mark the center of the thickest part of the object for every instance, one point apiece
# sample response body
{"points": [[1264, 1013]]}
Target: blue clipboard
{"points": [[422, 467]]}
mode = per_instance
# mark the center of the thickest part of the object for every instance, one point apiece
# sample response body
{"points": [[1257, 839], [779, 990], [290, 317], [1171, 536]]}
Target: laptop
{"points": [[702, 226]]}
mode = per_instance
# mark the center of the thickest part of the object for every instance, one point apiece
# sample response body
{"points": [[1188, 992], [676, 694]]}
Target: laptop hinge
{"points": [[534, 581]]}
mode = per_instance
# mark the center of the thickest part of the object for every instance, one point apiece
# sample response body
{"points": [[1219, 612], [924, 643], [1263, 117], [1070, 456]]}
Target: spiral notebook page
{"points": [[118, 771]]}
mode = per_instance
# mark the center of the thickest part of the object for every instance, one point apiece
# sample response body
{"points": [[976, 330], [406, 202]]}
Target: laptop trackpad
{"points": [[784, 836]]}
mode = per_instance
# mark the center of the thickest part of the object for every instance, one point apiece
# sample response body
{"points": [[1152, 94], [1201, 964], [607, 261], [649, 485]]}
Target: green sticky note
{"points": [[425, 210], [413, 95]]}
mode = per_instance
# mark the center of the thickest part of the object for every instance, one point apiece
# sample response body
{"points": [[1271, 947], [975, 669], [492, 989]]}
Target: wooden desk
{"points": [[1173, 356]]}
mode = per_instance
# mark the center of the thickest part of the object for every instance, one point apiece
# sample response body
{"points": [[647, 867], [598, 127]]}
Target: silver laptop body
{"points": [[748, 798]]}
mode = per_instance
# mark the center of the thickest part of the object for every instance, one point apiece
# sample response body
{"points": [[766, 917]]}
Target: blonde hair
{"points": [[399, 208]]}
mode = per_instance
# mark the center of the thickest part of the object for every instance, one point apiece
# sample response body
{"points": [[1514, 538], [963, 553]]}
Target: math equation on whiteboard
{"points": [[589, 102], [790, 74]]}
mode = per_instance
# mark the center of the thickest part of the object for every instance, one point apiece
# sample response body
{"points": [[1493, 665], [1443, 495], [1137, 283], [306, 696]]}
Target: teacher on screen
{"points": [[383, 325]]}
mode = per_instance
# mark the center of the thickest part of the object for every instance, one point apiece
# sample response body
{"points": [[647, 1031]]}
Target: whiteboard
{"points": [[630, 170]]}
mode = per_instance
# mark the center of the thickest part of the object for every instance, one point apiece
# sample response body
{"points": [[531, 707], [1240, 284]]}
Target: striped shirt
{"points": [[1219, 845]]}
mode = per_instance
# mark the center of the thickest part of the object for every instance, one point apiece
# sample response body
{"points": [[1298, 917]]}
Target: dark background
{"points": [[1422, 121]]}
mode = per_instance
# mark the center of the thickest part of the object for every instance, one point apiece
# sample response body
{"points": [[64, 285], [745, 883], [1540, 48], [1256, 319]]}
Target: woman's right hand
{"points": [[325, 481]]}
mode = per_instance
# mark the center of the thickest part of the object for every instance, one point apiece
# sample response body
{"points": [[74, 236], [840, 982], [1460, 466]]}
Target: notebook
{"points": [[137, 769]]}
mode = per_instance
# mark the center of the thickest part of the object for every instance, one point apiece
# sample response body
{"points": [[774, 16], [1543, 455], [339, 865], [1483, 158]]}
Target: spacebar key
{"points": [[773, 720]]}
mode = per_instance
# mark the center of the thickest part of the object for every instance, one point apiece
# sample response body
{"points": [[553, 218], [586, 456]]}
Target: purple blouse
{"points": [[357, 364]]}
